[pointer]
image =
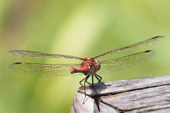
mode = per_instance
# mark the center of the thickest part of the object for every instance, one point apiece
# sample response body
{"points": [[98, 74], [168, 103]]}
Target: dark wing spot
{"points": [[17, 63], [148, 50], [155, 37]]}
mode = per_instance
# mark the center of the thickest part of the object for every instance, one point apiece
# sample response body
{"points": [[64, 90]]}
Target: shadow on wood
{"points": [[143, 95]]}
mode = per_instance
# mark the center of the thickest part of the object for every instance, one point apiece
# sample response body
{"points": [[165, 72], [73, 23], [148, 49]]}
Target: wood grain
{"points": [[143, 95]]}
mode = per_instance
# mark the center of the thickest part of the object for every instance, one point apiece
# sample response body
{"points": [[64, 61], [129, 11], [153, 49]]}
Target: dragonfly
{"points": [[88, 66]]}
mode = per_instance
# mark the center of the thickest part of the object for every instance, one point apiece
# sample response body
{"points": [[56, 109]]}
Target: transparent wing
{"points": [[42, 69], [113, 65], [134, 46], [39, 55]]}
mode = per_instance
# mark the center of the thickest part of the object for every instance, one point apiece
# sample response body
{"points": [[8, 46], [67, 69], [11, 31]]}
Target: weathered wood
{"points": [[143, 95]]}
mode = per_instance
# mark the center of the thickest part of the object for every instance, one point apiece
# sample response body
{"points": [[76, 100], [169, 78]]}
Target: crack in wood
{"points": [[106, 94], [114, 107], [151, 95], [97, 98], [129, 110], [154, 110]]}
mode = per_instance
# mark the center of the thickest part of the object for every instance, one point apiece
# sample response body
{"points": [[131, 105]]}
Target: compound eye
{"points": [[92, 59], [82, 64], [90, 63]]}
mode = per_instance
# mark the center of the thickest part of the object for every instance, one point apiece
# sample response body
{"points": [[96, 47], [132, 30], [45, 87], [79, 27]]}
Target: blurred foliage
{"points": [[78, 28]]}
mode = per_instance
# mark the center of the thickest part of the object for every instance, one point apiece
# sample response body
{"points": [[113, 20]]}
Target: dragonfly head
{"points": [[88, 66]]}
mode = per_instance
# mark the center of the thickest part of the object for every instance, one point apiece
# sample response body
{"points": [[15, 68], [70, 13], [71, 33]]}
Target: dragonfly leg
{"points": [[92, 80], [83, 80], [93, 83], [86, 78], [88, 82], [99, 78]]}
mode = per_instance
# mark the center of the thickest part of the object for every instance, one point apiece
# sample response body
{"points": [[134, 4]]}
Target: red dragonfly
{"points": [[89, 66]]}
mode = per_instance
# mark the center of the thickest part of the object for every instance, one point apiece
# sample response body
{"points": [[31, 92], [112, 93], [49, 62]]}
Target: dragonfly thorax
{"points": [[89, 67]]}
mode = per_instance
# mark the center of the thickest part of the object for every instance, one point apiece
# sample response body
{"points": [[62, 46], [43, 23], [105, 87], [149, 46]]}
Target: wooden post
{"points": [[143, 95]]}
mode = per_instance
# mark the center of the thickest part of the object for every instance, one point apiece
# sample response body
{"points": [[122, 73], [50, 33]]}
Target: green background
{"points": [[83, 28]]}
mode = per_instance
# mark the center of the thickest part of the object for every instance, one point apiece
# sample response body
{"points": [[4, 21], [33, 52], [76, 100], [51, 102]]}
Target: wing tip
{"points": [[11, 66], [13, 52], [160, 37], [150, 52]]}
